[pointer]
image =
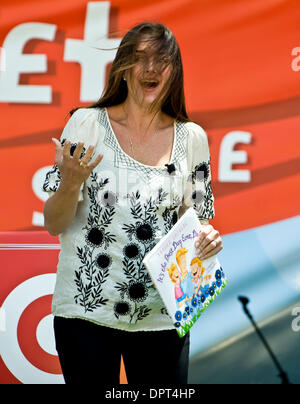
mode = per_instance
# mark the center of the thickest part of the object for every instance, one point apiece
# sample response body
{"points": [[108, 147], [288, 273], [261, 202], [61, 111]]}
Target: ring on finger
{"points": [[82, 164]]}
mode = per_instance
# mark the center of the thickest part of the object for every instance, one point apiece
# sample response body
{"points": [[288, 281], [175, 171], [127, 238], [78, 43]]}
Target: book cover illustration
{"points": [[186, 284]]}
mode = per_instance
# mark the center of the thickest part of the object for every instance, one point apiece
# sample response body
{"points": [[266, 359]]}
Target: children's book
{"points": [[186, 284]]}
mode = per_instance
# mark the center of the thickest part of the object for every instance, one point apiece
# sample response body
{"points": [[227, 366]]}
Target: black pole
{"points": [[282, 374]]}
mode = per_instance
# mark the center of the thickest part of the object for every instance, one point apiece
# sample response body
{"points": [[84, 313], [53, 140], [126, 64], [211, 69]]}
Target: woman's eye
{"points": [[164, 60], [139, 58]]}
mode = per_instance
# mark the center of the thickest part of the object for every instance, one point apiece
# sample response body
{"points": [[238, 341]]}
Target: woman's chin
{"points": [[149, 99]]}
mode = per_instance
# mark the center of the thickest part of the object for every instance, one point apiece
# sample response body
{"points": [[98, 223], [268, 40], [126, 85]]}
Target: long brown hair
{"points": [[172, 99]]}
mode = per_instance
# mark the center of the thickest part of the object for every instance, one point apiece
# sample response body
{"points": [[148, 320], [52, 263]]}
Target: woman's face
{"points": [[149, 75]]}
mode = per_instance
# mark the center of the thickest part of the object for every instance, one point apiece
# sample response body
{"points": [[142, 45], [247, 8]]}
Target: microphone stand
{"points": [[282, 374]]}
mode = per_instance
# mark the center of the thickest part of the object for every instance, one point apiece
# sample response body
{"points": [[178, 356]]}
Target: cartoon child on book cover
{"points": [[176, 279], [187, 284], [184, 287], [201, 282]]}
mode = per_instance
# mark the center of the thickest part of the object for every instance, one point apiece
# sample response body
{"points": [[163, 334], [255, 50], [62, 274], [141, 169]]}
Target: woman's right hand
{"points": [[73, 169]]}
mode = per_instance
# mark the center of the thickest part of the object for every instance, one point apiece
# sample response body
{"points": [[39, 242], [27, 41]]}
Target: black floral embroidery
{"points": [[201, 172], [170, 214], [141, 234], [94, 270], [144, 232], [121, 309], [95, 237], [141, 312], [99, 217], [53, 177], [202, 197], [103, 261], [89, 281], [132, 251], [197, 197], [209, 211], [73, 147], [137, 291], [163, 310]]}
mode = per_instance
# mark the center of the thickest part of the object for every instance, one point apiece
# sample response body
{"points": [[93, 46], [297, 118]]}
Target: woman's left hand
{"points": [[208, 243]]}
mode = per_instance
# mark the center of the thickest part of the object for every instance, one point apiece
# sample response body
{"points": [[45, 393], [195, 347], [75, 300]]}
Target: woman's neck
{"points": [[140, 120]]}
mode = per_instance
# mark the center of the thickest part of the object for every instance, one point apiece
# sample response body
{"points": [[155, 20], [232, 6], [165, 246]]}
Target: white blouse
{"points": [[125, 207]]}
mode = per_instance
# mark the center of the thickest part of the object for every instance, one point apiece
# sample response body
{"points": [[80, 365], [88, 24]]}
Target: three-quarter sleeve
{"points": [[198, 192], [81, 127]]}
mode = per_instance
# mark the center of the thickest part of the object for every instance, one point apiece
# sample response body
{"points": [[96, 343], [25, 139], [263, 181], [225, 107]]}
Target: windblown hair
{"points": [[159, 37]]}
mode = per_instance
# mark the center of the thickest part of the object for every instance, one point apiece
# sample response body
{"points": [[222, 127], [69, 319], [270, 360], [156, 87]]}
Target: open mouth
{"points": [[150, 84]]}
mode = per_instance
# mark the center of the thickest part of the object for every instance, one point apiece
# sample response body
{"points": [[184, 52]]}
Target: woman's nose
{"points": [[151, 65]]}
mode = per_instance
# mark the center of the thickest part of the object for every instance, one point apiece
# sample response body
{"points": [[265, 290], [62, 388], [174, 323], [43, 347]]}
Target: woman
{"points": [[125, 169]]}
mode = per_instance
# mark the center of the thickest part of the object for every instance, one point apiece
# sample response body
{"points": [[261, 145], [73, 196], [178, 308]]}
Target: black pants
{"points": [[90, 353]]}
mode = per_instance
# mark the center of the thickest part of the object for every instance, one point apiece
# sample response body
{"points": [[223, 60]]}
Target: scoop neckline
{"points": [[136, 161]]}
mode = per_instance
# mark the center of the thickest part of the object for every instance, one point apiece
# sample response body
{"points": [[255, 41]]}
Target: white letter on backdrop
{"points": [[16, 62], [229, 156], [93, 61]]}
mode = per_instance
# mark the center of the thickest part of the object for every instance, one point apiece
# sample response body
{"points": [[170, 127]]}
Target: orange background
{"points": [[238, 76]]}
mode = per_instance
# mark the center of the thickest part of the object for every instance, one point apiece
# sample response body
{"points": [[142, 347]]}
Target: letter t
{"points": [[93, 61]]}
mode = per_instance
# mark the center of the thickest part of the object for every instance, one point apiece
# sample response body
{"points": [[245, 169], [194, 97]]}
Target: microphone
{"points": [[244, 300], [170, 168]]}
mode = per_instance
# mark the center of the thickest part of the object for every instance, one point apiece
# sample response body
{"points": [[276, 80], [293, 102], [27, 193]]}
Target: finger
{"points": [[58, 151], [208, 248], [200, 238], [78, 150], [96, 161], [211, 249], [56, 143], [208, 236], [205, 230], [209, 255], [66, 150], [213, 236], [86, 158]]}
